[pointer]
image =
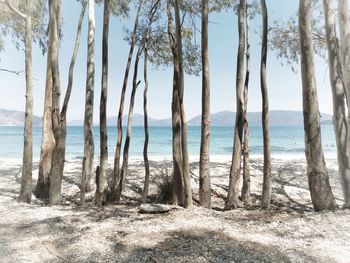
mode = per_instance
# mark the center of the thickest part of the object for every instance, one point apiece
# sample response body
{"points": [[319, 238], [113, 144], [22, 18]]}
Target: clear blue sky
{"points": [[284, 85]]}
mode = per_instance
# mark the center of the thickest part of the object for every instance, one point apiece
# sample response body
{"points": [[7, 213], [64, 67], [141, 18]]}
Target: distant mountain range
{"points": [[223, 118], [15, 118]]}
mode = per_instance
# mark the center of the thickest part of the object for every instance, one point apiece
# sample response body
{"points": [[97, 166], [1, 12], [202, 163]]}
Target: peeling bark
{"points": [[233, 191], [320, 190], [204, 162]]}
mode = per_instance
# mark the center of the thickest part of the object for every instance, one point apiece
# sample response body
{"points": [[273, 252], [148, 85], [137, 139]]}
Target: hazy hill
{"points": [[15, 118], [223, 118], [277, 118]]}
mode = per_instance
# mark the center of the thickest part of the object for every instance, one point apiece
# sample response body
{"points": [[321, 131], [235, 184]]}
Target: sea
{"points": [[287, 141]]}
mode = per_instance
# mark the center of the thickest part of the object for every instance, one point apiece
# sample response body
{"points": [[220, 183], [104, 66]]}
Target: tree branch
{"points": [[17, 72], [15, 10]]}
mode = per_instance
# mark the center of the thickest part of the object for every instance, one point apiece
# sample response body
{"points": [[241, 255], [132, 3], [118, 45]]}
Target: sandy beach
{"points": [[289, 232]]}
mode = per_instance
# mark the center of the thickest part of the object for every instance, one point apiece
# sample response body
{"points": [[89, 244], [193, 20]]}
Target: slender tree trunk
{"points": [[101, 188], [89, 106], [232, 197], [48, 141], [145, 118], [178, 184], [116, 170], [321, 193], [188, 203], [145, 113], [245, 149], [266, 191], [59, 120], [344, 26], [25, 194], [204, 163], [125, 165], [57, 162]]}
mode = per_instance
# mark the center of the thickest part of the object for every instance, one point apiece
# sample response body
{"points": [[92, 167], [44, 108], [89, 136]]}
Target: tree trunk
{"points": [[57, 162], [48, 141], [145, 114], [89, 107], [25, 194], [178, 184], [59, 121], [321, 193], [101, 188], [266, 191], [245, 149], [204, 163], [116, 170], [188, 203], [232, 197], [145, 118], [125, 165], [344, 26]]}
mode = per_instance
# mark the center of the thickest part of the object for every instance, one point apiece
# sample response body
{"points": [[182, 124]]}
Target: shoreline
{"points": [[193, 158]]}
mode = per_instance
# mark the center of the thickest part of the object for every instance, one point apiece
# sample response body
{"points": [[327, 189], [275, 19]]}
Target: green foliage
{"points": [[14, 25], [284, 37], [119, 8]]}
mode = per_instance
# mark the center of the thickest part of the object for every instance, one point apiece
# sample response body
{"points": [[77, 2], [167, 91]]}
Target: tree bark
{"points": [[344, 26], [48, 140], [25, 194], [178, 184], [145, 118], [188, 203], [245, 149], [59, 120], [89, 106], [125, 165], [57, 162], [266, 191], [101, 188], [232, 197], [320, 190], [204, 159], [116, 170]]}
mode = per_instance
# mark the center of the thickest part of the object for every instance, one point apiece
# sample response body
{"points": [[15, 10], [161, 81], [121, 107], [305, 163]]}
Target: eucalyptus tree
{"points": [[148, 15], [344, 26], [89, 147], [56, 178], [266, 191], [285, 41], [116, 180], [204, 163], [321, 193], [232, 200], [102, 186], [338, 94], [59, 115], [152, 16], [25, 194], [245, 146], [25, 20]]}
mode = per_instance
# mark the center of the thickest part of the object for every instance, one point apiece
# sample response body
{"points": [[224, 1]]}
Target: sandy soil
{"points": [[289, 232]]}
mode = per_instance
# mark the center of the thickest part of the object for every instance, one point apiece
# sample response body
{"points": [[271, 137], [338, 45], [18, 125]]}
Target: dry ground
{"points": [[289, 232]]}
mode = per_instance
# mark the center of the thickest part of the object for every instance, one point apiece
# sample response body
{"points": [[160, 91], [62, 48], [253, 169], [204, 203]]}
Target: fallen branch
{"points": [[54, 251]]}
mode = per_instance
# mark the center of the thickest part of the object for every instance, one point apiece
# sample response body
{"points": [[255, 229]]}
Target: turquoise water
{"points": [[287, 140]]}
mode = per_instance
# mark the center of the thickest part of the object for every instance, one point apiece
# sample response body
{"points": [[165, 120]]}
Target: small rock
{"points": [[153, 208]]}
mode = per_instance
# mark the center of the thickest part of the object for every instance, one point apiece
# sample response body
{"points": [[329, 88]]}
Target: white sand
{"points": [[289, 232]]}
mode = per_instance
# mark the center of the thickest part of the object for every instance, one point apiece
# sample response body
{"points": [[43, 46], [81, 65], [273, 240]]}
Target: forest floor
{"points": [[289, 232]]}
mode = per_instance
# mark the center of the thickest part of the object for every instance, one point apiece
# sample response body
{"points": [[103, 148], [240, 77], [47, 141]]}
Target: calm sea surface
{"points": [[287, 140]]}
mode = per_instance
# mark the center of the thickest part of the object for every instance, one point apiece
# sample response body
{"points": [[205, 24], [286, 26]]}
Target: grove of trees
{"points": [[163, 35]]}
